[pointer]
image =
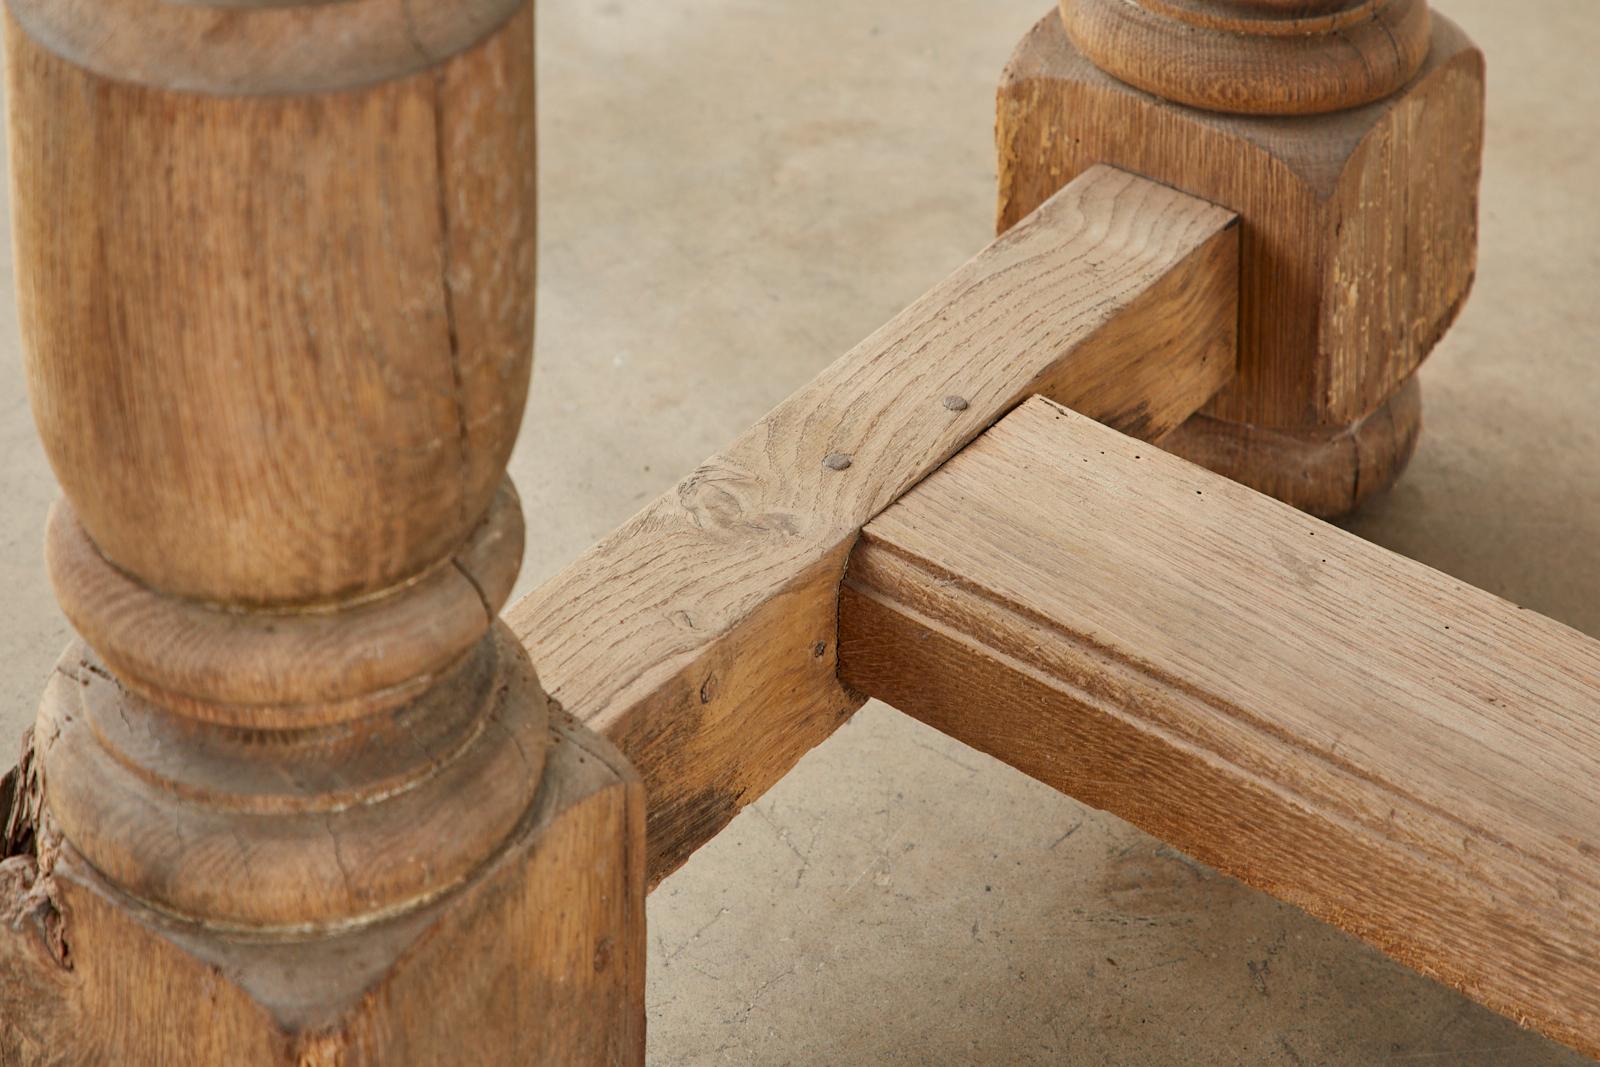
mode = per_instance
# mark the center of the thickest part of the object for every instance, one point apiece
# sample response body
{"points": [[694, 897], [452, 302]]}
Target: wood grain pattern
{"points": [[1409, 758], [303, 830], [39, 1013], [1360, 227], [1272, 59], [1358, 245], [1326, 471], [700, 635], [278, 347], [538, 959], [259, 47], [288, 670], [303, 803]]}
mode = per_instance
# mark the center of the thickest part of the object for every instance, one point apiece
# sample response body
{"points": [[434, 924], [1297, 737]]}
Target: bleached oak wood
{"points": [[309, 316], [277, 348], [543, 952], [296, 797], [1273, 57], [1359, 235], [1407, 757], [699, 636], [255, 47]]}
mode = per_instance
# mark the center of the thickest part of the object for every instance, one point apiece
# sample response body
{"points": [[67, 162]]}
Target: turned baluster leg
{"points": [[1347, 134], [304, 798]]}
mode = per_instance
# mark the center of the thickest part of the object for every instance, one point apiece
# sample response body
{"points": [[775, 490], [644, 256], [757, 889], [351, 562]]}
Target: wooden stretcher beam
{"points": [[699, 636], [1402, 755]]}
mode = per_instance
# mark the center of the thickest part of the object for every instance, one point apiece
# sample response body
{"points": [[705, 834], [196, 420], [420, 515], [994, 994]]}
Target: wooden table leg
{"points": [[1347, 134], [304, 799]]}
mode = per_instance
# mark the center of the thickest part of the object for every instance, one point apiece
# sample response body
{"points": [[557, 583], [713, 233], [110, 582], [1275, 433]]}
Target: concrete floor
{"points": [[734, 192]]}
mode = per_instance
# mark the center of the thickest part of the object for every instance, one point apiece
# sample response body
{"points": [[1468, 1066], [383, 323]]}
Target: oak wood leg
{"points": [[1348, 136], [296, 796]]}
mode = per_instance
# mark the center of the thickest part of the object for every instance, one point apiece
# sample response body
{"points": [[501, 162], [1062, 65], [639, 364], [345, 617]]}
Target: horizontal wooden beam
{"points": [[1402, 755], [700, 636]]}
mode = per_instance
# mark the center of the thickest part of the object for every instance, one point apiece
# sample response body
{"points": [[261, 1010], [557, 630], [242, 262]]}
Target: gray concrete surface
{"points": [[734, 192]]}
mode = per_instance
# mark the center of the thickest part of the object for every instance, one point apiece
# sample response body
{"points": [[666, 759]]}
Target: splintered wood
{"points": [[1407, 757], [700, 635]]}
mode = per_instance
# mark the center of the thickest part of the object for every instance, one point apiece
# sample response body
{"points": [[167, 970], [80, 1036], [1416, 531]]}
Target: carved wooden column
{"points": [[304, 799], [1348, 136]]}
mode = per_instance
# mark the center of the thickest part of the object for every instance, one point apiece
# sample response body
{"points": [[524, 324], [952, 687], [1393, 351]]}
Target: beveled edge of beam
{"points": [[1399, 754]]}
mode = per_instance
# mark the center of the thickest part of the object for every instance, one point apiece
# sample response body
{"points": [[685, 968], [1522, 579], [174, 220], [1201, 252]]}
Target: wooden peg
{"points": [[1348, 136], [304, 798]]}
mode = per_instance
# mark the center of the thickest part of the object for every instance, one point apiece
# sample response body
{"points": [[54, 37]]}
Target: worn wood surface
{"points": [[700, 635], [258, 47], [1325, 470], [1407, 757], [1289, 58], [288, 669], [543, 951], [277, 346], [39, 1015], [304, 802], [299, 830], [1357, 248]]}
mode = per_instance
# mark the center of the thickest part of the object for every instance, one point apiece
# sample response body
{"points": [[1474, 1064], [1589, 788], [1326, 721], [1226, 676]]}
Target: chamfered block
{"points": [[1357, 250], [538, 958]]}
